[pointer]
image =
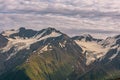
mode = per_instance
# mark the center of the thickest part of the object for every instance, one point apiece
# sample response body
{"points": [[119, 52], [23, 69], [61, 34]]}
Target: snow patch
{"points": [[108, 42], [53, 34], [114, 55], [62, 44], [9, 32], [18, 43], [12, 54], [37, 35], [46, 48], [24, 43], [91, 46], [92, 50]]}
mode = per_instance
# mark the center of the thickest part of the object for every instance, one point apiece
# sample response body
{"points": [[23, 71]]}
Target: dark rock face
{"points": [[3, 41], [111, 41], [118, 42], [107, 67], [70, 47], [118, 36], [24, 33], [29, 33], [64, 59], [86, 38], [65, 54]]}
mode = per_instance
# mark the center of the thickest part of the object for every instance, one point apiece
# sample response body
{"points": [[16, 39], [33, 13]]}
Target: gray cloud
{"points": [[92, 31], [58, 9], [78, 16]]}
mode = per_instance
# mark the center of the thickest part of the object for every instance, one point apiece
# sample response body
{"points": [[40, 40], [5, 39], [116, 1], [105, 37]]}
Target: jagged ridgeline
{"points": [[49, 54]]}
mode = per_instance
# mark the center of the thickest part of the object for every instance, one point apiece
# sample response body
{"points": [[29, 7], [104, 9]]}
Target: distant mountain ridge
{"points": [[86, 37], [108, 66], [49, 54]]}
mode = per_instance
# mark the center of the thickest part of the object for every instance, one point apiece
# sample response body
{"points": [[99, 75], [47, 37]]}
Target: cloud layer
{"points": [[99, 17]]}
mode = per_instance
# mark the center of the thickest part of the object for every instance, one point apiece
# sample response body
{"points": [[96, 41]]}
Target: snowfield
{"points": [[92, 50], [24, 43]]}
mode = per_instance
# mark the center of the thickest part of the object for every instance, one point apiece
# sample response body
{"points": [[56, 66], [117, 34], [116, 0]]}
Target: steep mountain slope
{"points": [[91, 47], [107, 67], [111, 41], [86, 38], [49, 54], [3, 41], [53, 56], [21, 43]]}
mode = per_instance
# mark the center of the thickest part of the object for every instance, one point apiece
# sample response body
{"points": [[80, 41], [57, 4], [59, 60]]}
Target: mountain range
{"points": [[49, 54]]}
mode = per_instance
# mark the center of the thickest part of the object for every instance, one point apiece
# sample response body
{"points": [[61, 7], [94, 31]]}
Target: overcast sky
{"points": [[100, 18]]}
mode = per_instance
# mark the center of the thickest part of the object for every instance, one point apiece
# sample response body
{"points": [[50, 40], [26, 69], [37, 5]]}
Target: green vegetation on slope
{"points": [[101, 73], [46, 66]]}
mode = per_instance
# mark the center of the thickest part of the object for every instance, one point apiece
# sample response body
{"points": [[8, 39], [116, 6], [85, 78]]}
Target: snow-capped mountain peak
{"points": [[86, 37], [111, 41], [23, 38], [81, 53], [29, 33], [91, 47]]}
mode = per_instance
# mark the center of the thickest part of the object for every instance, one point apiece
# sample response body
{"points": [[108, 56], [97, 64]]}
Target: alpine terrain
{"points": [[49, 54]]}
